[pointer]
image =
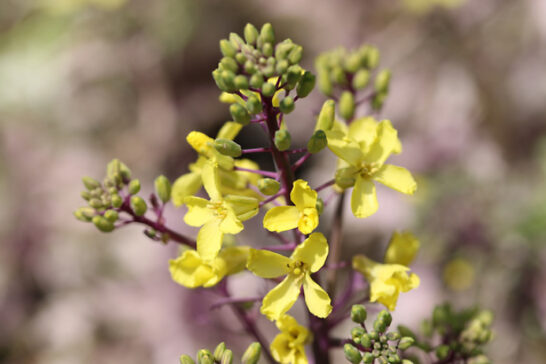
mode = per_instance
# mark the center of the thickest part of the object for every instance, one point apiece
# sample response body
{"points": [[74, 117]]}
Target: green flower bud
{"points": [[358, 314], [227, 357], [480, 359], [386, 316], [352, 354], [406, 342], [287, 105], [368, 358], [267, 33], [283, 49], [217, 76], [282, 66], [379, 325], [219, 351], [84, 214], [393, 336], [319, 205], [393, 358], [347, 105], [406, 331], [112, 190], [357, 332], [163, 188], [361, 79], [345, 177], [268, 89], [251, 33], [338, 76], [282, 139], [241, 82], [227, 147], [103, 224], [229, 64], [252, 353], [254, 104], [383, 340], [268, 186], [268, 71], [441, 315], [293, 75], [90, 183], [382, 81], [306, 84], [326, 117], [372, 57], [295, 54], [240, 58], [376, 353], [407, 361], [250, 67], [267, 49], [485, 317], [228, 79], [138, 205], [325, 84], [442, 352], [85, 195], [382, 360], [227, 48], [186, 359], [117, 201], [239, 113], [111, 215], [236, 40], [257, 80], [353, 62], [204, 356], [134, 187], [95, 203], [366, 341]]}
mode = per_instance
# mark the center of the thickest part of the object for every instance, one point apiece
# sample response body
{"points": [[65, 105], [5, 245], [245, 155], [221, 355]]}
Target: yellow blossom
{"points": [[303, 215], [402, 248], [217, 216], [192, 271], [306, 259], [387, 281], [364, 148], [288, 346]]}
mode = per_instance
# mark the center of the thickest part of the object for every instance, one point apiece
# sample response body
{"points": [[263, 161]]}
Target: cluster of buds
{"points": [[377, 345], [223, 355], [118, 193], [349, 72]]}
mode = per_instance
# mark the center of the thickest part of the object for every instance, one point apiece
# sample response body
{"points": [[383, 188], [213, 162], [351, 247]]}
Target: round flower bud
{"points": [[227, 48], [268, 89], [103, 224], [268, 71], [293, 75], [353, 62], [361, 79], [352, 354], [163, 188], [407, 361], [326, 117], [236, 40], [111, 215], [227, 357], [368, 358], [267, 49], [138, 205], [317, 142], [229, 64], [393, 358], [250, 33], [282, 66], [228, 79], [240, 58], [186, 359], [217, 76], [325, 84], [382, 81], [254, 104], [338, 75], [406, 342], [134, 187], [85, 195], [346, 105], [84, 214], [227, 147], [252, 354], [117, 201], [306, 84], [283, 49], [95, 203], [282, 139], [357, 332], [319, 205], [250, 67], [366, 341], [219, 351], [204, 356], [267, 33], [257, 80], [241, 82], [371, 57], [287, 105], [295, 54], [239, 113], [393, 336], [379, 325], [90, 183], [358, 314], [268, 186], [385, 316]]}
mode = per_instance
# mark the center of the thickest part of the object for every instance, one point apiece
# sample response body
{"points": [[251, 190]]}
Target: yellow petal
{"points": [[243, 206], [316, 298], [230, 223], [387, 142], [281, 298], [198, 211], [189, 270], [281, 218], [363, 198], [308, 221], [267, 264], [402, 249], [397, 178], [364, 131], [364, 265], [211, 181], [235, 258], [313, 251], [209, 239], [186, 185], [281, 349], [344, 147], [302, 195], [202, 143]]}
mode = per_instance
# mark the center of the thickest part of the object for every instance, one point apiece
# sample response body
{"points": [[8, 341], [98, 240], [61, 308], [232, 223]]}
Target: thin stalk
{"points": [[257, 171], [336, 237]]}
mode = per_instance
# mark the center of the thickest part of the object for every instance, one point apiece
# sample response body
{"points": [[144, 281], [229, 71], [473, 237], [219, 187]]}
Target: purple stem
{"points": [[280, 248], [258, 171], [272, 198], [300, 161], [256, 150], [324, 185], [233, 300]]}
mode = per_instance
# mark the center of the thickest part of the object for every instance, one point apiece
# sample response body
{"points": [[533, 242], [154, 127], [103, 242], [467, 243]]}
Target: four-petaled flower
{"points": [[303, 215], [217, 216], [307, 258], [402, 248], [288, 346], [364, 148]]}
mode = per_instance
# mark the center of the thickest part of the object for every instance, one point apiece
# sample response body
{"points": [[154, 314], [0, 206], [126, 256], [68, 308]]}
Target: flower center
{"points": [[298, 268], [219, 209], [366, 170]]}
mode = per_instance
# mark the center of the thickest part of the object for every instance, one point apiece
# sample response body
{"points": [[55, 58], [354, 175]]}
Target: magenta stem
{"points": [[256, 150], [233, 300], [258, 171], [272, 198], [300, 161], [324, 185]]}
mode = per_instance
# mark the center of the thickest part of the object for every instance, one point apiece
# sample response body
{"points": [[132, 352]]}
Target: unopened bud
{"points": [[393, 336], [219, 351], [251, 33], [186, 359], [442, 352], [393, 358], [204, 356], [357, 332], [366, 341], [338, 75], [163, 188], [117, 201], [95, 203], [306, 84], [407, 361], [287, 105], [240, 58], [227, 357], [236, 40], [347, 105], [134, 187], [326, 117], [386, 316], [295, 54], [84, 214], [361, 79], [406, 342], [353, 62], [138, 205], [229, 64], [282, 139], [268, 89], [352, 354], [379, 325], [254, 104], [283, 49], [293, 75], [90, 183], [241, 82], [239, 113], [111, 215], [227, 147], [85, 195], [345, 177], [257, 80], [372, 57], [319, 205], [268, 186], [382, 81], [480, 359], [325, 84], [358, 314], [228, 80], [103, 224], [267, 49], [227, 48], [267, 33], [368, 358], [282, 66], [252, 354]]}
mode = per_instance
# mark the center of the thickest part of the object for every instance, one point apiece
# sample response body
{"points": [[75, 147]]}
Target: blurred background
{"points": [[85, 81]]}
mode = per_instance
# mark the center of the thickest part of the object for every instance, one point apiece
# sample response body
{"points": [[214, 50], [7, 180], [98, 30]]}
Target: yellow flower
{"points": [[459, 274], [217, 216], [364, 148], [402, 248], [303, 215], [386, 280], [307, 258], [192, 271], [288, 346]]}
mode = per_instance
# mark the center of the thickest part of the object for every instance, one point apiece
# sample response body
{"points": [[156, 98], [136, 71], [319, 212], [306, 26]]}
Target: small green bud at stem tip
{"points": [[111, 215], [134, 187], [227, 147], [406, 342], [358, 314], [90, 183], [268, 186], [254, 105], [163, 188], [306, 84], [239, 113], [204, 356], [227, 357], [346, 105], [317, 142], [219, 351], [287, 105], [252, 354], [138, 205], [251, 33], [268, 89], [282, 139], [382, 81], [103, 224], [186, 359], [267, 33], [227, 48], [352, 354], [326, 117]]}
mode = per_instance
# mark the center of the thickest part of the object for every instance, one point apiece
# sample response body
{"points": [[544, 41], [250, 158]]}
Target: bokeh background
{"points": [[84, 81]]}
